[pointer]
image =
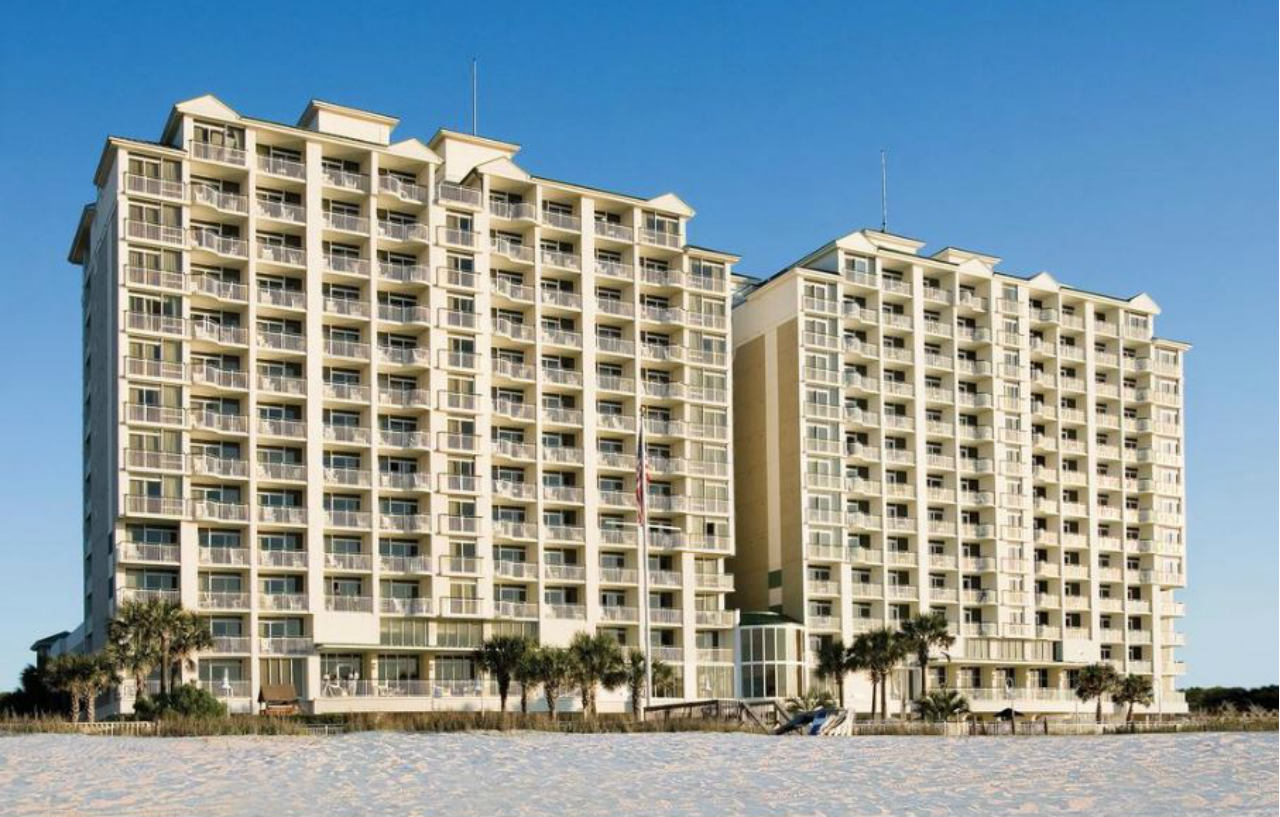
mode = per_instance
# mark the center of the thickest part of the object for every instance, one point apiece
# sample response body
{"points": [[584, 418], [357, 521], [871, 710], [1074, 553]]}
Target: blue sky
{"points": [[1122, 147]]}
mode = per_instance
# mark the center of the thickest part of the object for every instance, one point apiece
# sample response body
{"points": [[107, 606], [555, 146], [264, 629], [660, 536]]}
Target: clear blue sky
{"points": [[1122, 147]]}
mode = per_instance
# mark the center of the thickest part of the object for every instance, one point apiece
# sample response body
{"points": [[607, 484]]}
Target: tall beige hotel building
{"points": [[919, 432], [363, 402]]}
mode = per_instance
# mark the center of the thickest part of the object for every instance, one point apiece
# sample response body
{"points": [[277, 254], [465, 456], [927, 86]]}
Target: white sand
{"points": [[696, 774]]}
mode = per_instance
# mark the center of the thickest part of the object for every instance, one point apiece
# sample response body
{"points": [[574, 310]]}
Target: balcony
{"points": [[219, 244], [215, 198], [466, 239], [223, 600], [236, 556], [409, 522], [282, 515], [154, 186], [418, 565], [205, 510], [223, 154], [146, 552], [137, 505], [285, 646], [281, 254], [283, 558], [345, 179], [348, 604], [347, 519], [282, 601], [451, 193], [416, 606], [402, 189]]}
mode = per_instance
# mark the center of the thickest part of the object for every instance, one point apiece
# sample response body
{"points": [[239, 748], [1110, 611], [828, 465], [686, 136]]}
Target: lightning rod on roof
{"points": [[884, 193], [475, 113]]}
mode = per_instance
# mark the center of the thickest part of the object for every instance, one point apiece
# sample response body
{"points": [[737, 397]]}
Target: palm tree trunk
{"points": [[550, 694], [1128, 718], [524, 699], [1097, 712], [75, 706], [873, 697], [840, 689], [884, 698], [924, 674], [91, 706]]}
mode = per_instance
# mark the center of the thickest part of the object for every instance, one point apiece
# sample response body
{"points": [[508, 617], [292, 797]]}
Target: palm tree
{"points": [[942, 705], [597, 660], [1132, 689], [555, 669], [97, 674], [499, 656], [664, 679], [877, 652], [920, 635], [167, 622], [190, 635], [65, 674], [833, 662], [634, 670], [83, 678], [525, 674], [810, 700], [131, 641], [1094, 681]]}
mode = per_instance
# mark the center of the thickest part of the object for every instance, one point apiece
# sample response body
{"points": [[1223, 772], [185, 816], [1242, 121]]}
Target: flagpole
{"points": [[642, 498]]}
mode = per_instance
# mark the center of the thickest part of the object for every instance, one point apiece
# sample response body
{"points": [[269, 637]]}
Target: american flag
{"points": [[642, 474]]}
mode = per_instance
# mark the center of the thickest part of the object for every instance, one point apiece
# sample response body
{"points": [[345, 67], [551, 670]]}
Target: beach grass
{"points": [[491, 722]]}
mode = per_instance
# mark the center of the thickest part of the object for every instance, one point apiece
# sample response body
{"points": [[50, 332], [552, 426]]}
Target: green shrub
{"points": [[185, 701]]}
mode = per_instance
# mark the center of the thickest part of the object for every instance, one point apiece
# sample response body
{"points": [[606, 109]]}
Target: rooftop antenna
{"points": [[884, 194], [475, 113]]}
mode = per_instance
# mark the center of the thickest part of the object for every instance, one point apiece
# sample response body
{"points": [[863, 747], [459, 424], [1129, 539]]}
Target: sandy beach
{"points": [[377, 773]]}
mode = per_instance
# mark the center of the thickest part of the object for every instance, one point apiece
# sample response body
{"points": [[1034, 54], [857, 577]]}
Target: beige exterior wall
{"points": [[365, 403], [1005, 450]]}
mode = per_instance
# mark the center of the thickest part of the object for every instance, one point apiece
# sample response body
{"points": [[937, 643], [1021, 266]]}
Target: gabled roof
{"points": [[672, 202], [956, 255], [317, 105], [483, 141], [414, 149], [204, 105], [1144, 301], [502, 166]]}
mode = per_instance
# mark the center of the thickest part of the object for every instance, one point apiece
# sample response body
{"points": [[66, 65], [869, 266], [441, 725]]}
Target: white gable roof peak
{"points": [[672, 203]]}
